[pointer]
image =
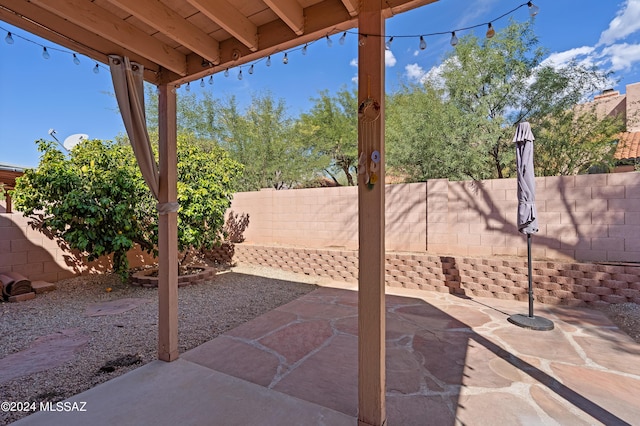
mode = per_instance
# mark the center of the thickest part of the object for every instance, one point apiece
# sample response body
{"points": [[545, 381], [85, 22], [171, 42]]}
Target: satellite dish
{"points": [[74, 140]]}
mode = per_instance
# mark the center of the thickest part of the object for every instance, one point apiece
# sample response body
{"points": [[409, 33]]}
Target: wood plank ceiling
{"points": [[183, 40]]}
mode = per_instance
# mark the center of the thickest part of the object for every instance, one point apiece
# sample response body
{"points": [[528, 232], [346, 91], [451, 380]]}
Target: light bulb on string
{"points": [[251, 69], [454, 39], [45, 53], [423, 44], [363, 40], [268, 61], [490, 31], [285, 60], [226, 72], [304, 49], [188, 88], [388, 45], [329, 41], [202, 82], [211, 80], [76, 60], [9, 38], [96, 69], [240, 74], [533, 9], [342, 38]]}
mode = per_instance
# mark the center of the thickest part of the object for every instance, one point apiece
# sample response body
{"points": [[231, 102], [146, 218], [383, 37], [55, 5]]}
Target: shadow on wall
{"points": [[493, 220], [38, 256]]}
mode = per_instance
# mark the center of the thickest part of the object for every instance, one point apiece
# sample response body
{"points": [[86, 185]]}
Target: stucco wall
{"points": [[584, 218]]}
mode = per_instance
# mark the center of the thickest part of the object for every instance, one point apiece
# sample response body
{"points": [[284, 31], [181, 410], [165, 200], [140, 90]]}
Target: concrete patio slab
{"points": [[184, 393], [450, 360]]}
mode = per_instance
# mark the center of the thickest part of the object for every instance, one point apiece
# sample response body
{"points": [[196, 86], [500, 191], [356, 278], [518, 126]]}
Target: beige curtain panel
{"points": [[128, 84]]}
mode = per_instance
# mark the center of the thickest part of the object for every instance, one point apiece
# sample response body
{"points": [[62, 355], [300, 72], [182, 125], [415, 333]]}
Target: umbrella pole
{"points": [[531, 322], [530, 278]]}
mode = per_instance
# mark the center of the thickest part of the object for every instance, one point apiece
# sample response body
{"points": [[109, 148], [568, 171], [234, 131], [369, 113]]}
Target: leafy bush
{"points": [[98, 203]]}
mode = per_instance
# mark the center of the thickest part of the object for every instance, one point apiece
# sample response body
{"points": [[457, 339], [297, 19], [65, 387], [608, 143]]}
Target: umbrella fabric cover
{"points": [[527, 214]]}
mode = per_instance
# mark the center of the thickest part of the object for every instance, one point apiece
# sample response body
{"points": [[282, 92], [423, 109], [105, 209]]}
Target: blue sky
{"points": [[37, 94]]}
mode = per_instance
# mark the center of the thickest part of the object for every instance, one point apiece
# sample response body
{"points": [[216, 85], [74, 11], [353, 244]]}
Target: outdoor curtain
{"points": [[128, 84]]}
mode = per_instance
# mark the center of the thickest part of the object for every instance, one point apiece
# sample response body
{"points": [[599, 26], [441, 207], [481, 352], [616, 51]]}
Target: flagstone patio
{"points": [[450, 360]]}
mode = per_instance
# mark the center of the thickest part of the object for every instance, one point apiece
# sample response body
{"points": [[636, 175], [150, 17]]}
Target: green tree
{"points": [[483, 88], [98, 203], [95, 199], [332, 128]]}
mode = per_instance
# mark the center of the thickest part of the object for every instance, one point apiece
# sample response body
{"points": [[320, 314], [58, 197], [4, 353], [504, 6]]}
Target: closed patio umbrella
{"points": [[527, 215]]}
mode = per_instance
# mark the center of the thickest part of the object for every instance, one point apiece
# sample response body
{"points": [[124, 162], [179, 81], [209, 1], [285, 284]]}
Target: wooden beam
{"points": [[58, 30], [157, 15], [228, 17], [167, 227], [290, 12], [352, 6], [94, 18], [371, 223]]}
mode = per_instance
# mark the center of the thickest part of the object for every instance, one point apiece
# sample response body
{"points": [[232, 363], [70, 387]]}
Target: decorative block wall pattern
{"points": [[557, 283]]}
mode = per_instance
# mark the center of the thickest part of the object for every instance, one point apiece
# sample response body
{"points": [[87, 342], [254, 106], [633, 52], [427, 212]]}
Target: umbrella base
{"points": [[532, 323]]}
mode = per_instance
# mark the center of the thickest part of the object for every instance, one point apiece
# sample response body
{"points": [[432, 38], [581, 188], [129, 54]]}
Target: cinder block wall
{"points": [[583, 218], [38, 257], [558, 283]]}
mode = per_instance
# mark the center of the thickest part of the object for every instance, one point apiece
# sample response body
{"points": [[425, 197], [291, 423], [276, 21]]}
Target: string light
{"points": [[490, 31], [454, 39], [188, 88], [362, 41], [388, 45]]}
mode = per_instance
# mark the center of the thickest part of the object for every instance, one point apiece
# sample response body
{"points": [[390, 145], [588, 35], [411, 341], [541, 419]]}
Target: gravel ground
{"points": [[205, 311]]}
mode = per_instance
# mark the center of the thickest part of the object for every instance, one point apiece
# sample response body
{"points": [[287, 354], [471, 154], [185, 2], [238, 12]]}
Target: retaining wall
{"points": [[560, 283]]}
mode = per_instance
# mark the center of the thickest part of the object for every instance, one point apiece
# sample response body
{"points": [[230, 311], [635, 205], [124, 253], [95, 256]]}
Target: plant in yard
{"points": [[95, 200]]}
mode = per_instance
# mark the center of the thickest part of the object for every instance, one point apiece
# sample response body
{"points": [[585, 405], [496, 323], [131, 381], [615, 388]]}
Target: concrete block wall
{"points": [[557, 283], [328, 217], [584, 218], [38, 257]]}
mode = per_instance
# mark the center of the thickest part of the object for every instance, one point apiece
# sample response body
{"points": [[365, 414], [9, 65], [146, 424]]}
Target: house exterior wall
{"points": [[582, 218]]}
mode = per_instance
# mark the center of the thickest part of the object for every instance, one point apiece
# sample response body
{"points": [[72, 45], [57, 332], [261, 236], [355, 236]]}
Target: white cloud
{"points": [[354, 62], [389, 59], [622, 56], [626, 22], [560, 59], [414, 72]]}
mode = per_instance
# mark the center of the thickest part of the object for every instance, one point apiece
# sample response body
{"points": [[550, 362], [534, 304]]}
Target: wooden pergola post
{"points": [[167, 227], [371, 303]]}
